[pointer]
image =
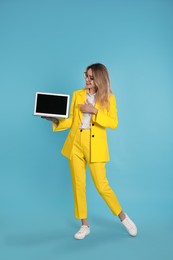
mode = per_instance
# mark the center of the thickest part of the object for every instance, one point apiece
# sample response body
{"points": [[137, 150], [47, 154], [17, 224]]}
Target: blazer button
{"points": [[92, 124], [92, 135]]}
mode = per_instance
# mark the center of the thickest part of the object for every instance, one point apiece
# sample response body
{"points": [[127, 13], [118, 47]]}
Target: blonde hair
{"points": [[102, 82]]}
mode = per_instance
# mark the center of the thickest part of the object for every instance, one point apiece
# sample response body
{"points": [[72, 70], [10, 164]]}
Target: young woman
{"points": [[93, 109]]}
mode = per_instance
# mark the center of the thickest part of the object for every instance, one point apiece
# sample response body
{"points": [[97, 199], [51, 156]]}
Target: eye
{"points": [[88, 76]]}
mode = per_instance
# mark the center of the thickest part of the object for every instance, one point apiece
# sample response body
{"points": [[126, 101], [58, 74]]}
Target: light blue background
{"points": [[45, 46]]}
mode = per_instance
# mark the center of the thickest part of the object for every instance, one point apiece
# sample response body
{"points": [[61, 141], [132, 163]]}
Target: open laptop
{"points": [[51, 105]]}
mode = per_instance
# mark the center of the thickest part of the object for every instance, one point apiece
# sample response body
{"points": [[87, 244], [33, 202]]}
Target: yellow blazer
{"points": [[105, 118]]}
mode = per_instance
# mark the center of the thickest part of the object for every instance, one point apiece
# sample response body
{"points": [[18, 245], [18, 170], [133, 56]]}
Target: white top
{"points": [[86, 118]]}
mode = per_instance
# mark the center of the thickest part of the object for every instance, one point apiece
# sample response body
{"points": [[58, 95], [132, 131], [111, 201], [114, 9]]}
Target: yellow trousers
{"points": [[80, 158]]}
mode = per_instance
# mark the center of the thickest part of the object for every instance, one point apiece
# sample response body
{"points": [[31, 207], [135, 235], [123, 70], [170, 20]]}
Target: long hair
{"points": [[102, 82]]}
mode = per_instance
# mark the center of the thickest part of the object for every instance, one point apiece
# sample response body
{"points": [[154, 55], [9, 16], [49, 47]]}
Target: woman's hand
{"points": [[88, 108], [54, 120]]}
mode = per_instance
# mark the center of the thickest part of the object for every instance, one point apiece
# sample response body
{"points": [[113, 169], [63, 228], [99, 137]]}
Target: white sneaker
{"points": [[82, 233], [130, 226]]}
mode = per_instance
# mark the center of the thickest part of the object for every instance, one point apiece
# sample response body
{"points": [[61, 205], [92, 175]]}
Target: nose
{"points": [[87, 79]]}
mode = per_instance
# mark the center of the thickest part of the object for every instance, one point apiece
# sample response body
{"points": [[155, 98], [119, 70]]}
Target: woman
{"points": [[93, 109]]}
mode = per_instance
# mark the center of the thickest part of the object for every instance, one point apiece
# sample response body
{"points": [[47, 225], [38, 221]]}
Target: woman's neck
{"points": [[92, 90]]}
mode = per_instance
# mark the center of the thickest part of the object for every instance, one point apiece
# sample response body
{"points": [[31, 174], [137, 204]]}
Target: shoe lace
{"points": [[82, 229], [129, 224]]}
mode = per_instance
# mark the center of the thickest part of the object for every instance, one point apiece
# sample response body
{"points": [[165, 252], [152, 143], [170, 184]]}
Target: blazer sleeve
{"points": [[67, 122], [107, 119]]}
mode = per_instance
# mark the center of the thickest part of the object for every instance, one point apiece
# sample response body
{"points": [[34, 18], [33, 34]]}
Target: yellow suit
{"points": [[105, 118], [89, 147]]}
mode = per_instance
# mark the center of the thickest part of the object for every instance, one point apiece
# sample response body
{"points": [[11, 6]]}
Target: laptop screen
{"points": [[51, 104]]}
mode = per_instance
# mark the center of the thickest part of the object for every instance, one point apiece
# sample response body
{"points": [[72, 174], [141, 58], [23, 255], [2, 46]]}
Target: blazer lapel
{"points": [[96, 105], [81, 100]]}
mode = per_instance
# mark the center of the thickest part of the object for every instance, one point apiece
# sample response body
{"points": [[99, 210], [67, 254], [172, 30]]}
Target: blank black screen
{"points": [[51, 104]]}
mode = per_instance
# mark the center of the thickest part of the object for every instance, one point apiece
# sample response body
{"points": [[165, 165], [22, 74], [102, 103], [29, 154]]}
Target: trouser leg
{"points": [[78, 173], [98, 173]]}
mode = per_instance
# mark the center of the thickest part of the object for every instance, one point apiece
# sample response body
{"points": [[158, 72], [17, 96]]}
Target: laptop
{"points": [[51, 105]]}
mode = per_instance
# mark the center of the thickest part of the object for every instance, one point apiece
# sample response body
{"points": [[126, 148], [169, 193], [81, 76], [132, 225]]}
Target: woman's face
{"points": [[89, 79]]}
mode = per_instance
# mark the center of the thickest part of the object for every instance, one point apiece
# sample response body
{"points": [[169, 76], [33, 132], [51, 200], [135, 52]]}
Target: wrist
{"points": [[56, 121]]}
